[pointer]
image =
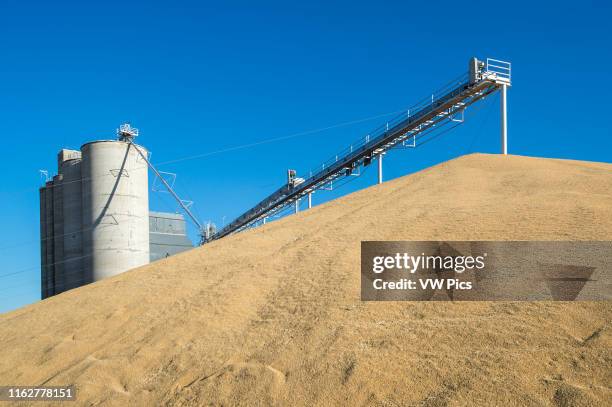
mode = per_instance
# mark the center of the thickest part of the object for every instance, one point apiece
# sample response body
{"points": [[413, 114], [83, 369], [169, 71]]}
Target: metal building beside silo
{"points": [[167, 235], [94, 217]]}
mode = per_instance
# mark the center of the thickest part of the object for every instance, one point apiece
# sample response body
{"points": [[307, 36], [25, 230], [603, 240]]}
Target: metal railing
{"points": [[500, 69], [419, 120], [400, 118]]}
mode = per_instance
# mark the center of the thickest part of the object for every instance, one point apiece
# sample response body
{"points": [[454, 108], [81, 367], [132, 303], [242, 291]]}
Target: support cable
{"points": [[169, 188]]}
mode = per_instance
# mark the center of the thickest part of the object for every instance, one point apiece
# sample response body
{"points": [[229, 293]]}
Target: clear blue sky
{"points": [[197, 77]]}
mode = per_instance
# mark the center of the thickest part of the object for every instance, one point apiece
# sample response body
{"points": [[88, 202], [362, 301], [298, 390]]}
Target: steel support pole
{"points": [[380, 175], [297, 205], [504, 120], [309, 200]]}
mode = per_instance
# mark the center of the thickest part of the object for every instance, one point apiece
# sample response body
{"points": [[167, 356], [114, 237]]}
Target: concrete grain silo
{"points": [[46, 240], [69, 164], [94, 216], [58, 233], [115, 208]]}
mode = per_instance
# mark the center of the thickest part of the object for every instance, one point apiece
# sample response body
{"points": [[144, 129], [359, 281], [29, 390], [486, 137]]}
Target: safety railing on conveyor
{"points": [[443, 104]]}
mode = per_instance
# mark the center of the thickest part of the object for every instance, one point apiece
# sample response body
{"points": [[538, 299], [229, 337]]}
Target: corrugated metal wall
{"points": [[168, 235]]}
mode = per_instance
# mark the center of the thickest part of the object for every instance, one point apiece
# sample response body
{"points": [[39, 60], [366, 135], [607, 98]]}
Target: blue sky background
{"points": [[197, 77]]}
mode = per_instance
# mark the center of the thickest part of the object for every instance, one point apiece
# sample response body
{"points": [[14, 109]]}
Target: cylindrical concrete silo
{"points": [[49, 244], [73, 217], [46, 240], [43, 248], [115, 208], [58, 234]]}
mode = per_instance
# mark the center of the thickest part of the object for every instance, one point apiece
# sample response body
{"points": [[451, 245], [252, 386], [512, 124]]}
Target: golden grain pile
{"points": [[272, 316]]}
